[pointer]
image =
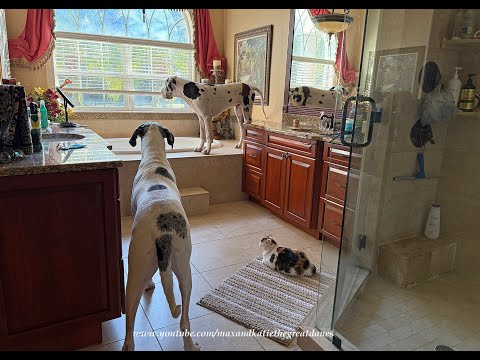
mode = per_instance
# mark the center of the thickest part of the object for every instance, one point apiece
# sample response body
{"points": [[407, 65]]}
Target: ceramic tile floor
{"points": [[224, 240], [442, 311]]}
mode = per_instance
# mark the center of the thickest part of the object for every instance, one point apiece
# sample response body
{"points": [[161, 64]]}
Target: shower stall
{"points": [[397, 289]]}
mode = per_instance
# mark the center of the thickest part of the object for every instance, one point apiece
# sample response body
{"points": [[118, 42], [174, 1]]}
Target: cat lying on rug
{"points": [[285, 260]]}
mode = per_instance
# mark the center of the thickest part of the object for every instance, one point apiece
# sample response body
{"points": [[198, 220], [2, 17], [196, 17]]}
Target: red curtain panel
{"points": [[205, 45], [34, 46]]}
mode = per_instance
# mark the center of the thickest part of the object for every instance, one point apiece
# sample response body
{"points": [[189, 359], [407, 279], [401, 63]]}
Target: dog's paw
{"points": [[150, 286], [193, 347], [198, 149], [177, 312], [206, 152], [238, 146], [128, 347]]}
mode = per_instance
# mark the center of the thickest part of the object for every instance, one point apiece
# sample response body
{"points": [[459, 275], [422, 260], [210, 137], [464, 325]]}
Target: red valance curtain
{"points": [[342, 64], [34, 46], [205, 46]]}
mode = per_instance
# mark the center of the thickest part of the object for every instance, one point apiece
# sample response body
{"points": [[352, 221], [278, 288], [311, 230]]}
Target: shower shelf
{"points": [[404, 178], [461, 44], [470, 115]]}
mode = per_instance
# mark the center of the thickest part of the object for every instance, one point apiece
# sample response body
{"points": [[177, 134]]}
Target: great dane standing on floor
{"points": [[160, 233], [208, 100]]}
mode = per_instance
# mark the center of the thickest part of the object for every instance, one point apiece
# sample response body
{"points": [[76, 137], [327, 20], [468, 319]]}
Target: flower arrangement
{"points": [[55, 110]]}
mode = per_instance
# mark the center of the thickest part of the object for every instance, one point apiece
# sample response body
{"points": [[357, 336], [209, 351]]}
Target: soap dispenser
{"points": [[43, 114], [454, 85], [467, 95]]}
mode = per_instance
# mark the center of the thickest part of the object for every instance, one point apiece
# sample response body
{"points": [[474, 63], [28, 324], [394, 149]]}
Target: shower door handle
{"points": [[375, 117]]}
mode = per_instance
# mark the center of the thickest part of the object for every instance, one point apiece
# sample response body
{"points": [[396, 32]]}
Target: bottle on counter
{"points": [[467, 95], [36, 127], [468, 23], [454, 85], [457, 25], [43, 115]]}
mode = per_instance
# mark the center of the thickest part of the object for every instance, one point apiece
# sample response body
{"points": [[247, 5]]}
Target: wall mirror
{"points": [[318, 79]]}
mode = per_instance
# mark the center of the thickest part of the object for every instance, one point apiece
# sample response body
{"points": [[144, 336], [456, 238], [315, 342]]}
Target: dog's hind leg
{"points": [[239, 114], [208, 131], [201, 122], [167, 283], [184, 277]]}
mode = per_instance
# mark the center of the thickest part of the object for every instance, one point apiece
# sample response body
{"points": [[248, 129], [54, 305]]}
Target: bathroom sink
{"points": [[62, 137]]}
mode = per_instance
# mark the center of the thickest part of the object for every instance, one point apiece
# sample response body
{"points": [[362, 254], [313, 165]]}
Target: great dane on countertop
{"points": [[208, 100], [160, 233]]}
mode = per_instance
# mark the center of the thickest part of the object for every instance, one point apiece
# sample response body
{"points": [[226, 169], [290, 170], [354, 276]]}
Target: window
{"points": [[119, 59], [314, 53], [4, 58]]}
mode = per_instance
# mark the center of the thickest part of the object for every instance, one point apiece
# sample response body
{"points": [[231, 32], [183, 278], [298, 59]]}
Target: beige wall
{"points": [[238, 20]]}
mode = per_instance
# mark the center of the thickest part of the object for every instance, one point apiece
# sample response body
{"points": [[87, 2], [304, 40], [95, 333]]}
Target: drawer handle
{"points": [[335, 223], [340, 185], [252, 156]]}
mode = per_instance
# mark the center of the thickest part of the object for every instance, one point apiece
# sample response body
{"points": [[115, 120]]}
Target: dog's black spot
{"points": [[230, 100], [246, 100], [323, 95], [253, 96], [245, 90], [202, 90], [172, 221], [164, 172], [306, 94], [272, 258], [157, 187], [228, 92], [164, 250], [214, 89], [296, 89], [247, 109], [191, 90], [320, 102], [214, 93]]}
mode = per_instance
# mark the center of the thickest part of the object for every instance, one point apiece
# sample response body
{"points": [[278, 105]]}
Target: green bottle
{"points": [[43, 114]]}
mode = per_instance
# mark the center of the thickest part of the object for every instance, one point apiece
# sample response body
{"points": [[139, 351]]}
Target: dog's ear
{"points": [[168, 135], [139, 131]]}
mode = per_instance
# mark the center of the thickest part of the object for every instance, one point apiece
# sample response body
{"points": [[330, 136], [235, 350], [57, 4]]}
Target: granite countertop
{"points": [[310, 134], [95, 155]]}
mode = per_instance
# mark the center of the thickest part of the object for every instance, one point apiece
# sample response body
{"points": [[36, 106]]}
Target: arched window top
{"points": [[309, 42], [154, 24]]}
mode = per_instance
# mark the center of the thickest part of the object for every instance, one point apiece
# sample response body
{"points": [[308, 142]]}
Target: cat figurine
{"points": [[285, 260]]}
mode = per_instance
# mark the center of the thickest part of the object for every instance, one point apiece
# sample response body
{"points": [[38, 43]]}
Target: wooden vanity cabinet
{"points": [[61, 269]]}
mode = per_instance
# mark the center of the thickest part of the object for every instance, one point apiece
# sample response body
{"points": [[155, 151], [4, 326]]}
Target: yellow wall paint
{"points": [[239, 20], [216, 17]]}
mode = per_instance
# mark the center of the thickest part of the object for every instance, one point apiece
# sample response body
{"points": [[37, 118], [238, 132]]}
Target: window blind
{"points": [[316, 73], [113, 72]]}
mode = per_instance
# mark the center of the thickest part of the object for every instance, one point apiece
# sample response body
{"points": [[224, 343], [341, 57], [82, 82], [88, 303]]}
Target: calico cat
{"points": [[285, 260]]}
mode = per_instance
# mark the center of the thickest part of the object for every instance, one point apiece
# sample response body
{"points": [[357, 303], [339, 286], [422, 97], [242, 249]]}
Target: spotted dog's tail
{"points": [[164, 249], [261, 99]]}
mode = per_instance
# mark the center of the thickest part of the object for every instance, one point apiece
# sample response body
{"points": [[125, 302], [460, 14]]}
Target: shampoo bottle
{"points": [[467, 95], [43, 114], [457, 25], [454, 85], [468, 24]]}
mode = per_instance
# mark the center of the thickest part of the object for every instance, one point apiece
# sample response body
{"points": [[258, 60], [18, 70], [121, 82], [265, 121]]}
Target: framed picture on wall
{"points": [[396, 70], [253, 50]]}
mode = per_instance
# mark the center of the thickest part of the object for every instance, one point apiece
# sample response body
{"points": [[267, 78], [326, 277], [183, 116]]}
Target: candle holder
{"points": [[219, 75]]}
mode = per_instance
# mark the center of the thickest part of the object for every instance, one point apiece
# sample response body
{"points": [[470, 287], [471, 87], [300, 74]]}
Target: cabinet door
{"points": [[300, 172], [253, 183], [274, 179]]}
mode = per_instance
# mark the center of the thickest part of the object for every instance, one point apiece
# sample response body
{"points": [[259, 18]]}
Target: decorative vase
{"points": [[432, 228]]}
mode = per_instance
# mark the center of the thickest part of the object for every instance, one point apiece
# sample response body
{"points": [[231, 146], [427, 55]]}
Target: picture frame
{"points": [[252, 59], [396, 70]]}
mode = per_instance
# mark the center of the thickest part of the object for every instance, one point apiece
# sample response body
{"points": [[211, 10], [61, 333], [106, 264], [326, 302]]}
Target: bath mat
{"points": [[270, 303]]}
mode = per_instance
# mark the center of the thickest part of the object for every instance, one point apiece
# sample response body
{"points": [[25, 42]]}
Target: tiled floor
{"points": [[224, 240], [442, 311]]}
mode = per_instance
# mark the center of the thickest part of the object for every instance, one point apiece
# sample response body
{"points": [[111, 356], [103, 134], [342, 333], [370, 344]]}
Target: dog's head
{"points": [[343, 91], [168, 90], [267, 243], [152, 129], [296, 96]]}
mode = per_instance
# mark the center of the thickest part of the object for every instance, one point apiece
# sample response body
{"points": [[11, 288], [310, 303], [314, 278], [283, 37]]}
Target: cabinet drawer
{"points": [[336, 154], [332, 219], [253, 183], [292, 144], [254, 134], [336, 183], [253, 154]]}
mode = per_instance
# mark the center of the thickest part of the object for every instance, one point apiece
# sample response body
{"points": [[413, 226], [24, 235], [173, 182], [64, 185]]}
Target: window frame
{"points": [[128, 108]]}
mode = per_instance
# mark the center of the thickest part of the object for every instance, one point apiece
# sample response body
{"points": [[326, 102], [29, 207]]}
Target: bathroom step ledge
{"points": [[195, 200]]}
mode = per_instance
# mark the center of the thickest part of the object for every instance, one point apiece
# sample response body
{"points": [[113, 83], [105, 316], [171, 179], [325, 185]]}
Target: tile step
{"points": [[195, 200]]}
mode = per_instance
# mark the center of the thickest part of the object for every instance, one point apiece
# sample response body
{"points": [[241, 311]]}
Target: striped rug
{"points": [[270, 303]]}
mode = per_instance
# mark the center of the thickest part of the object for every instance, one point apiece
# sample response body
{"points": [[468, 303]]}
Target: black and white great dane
{"points": [[208, 100]]}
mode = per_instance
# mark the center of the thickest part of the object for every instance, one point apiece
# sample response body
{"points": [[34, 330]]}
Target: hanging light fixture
{"points": [[330, 23]]}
